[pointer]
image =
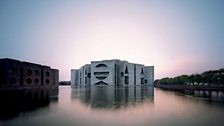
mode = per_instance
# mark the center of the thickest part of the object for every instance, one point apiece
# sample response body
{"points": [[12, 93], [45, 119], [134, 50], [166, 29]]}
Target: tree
{"points": [[206, 78], [197, 78]]}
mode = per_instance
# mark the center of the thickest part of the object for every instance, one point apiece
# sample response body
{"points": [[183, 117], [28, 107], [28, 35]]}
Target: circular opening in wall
{"points": [[36, 81], [12, 80], [12, 70], [47, 74], [37, 73], [28, 81], [47, 81], [29, 72]]}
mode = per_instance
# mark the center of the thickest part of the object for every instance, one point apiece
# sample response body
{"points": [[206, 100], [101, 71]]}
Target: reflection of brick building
{"points": [[23, 75], [112, 72]]}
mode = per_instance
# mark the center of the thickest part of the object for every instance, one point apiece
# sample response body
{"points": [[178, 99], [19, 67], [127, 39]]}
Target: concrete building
{"points": [[113, 73], [17, 75]]}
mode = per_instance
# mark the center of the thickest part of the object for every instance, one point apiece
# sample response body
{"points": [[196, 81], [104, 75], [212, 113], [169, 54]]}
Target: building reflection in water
{"points": [[111, 97], [213, 96], [15, 102]]}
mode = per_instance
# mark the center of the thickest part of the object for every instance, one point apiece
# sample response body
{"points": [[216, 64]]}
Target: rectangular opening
{"points": [[126, 79], [142, 80], [85, 80]]}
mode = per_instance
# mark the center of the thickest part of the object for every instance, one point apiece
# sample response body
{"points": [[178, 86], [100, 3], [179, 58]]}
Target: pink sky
{"points": [[176, 37]]}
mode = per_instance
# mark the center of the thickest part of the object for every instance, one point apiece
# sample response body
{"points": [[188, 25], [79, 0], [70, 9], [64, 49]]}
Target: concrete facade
{"points": [[149, 73], [17, 75], [103, 73], [112, 73], [74, 77]]}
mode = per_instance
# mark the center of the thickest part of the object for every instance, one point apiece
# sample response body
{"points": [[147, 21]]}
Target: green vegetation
{"points": [[207, 78]]}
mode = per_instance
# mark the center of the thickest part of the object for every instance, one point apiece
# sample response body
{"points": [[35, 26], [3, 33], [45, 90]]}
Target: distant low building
{"points": [[17, 75], [113, 73]]}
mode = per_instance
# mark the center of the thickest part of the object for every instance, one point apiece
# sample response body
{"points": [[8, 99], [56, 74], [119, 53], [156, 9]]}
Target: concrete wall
{"points": [[74, 77], [31, 74], [120, 73], [138, 73], [10, 73], [82, 76], [55, 77], [128, 73], [15, 74], [149, 75], [47, 76], [131, 70], [103, 69], [87, 74]]}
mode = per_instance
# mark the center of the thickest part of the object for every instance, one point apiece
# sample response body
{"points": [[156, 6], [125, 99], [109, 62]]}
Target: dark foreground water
{"points": [[130, 106]]}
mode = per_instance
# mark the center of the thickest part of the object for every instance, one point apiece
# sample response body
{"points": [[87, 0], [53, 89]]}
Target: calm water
{"points": [[131, 106]]}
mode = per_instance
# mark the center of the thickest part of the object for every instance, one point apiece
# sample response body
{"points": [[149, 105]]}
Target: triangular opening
{"points": [[142, 72], [101, 83], [126, 70]]}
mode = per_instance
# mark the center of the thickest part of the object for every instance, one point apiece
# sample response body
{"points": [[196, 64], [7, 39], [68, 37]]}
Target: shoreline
{"points": [[190, 88]]}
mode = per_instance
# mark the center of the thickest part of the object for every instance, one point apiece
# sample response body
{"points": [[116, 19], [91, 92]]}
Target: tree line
{"points": [[207, 78]]}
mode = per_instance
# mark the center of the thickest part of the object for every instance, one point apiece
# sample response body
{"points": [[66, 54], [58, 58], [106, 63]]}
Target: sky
{"points": [[176, 36]]}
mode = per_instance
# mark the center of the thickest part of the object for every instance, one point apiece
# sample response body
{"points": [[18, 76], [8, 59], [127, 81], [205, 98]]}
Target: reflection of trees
{"points": [[110, 97], [207, 78]]}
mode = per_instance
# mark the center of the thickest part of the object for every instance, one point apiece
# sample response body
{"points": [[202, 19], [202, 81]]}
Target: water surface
{"points": [[130, 106]]}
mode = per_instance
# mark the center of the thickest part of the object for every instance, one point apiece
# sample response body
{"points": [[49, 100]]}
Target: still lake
{"points": [[128, 106]]}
